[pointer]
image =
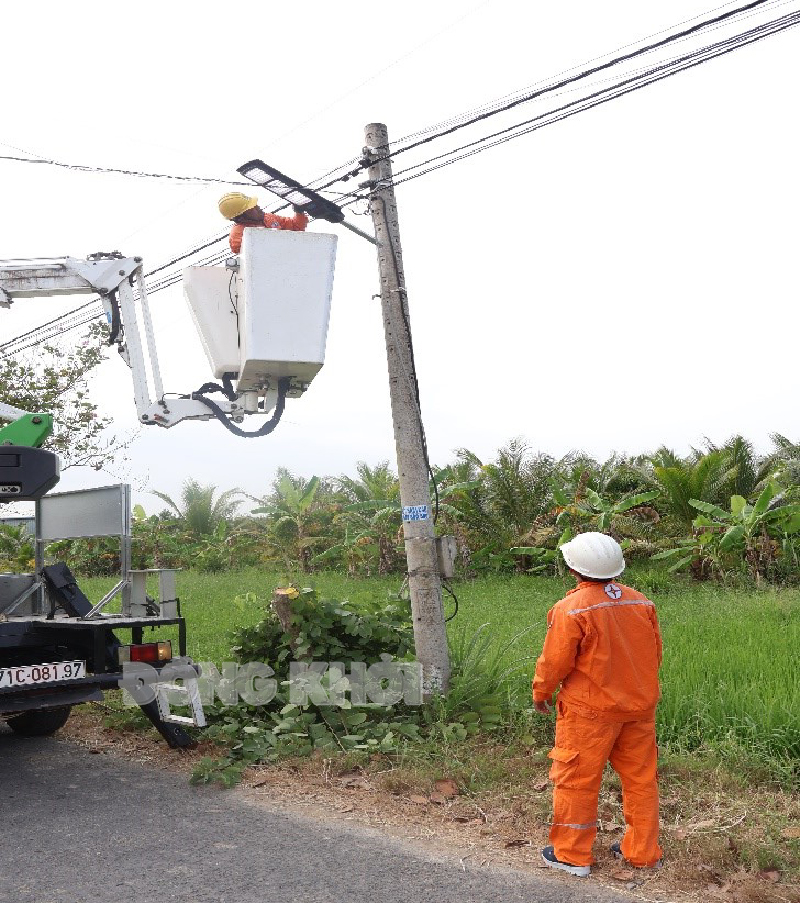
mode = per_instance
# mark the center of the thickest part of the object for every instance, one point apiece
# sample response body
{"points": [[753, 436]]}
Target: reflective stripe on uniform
{"points": [[585, 827], [578, 611]]}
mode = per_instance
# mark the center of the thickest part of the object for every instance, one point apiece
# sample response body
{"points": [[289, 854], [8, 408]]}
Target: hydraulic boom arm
{"points": [[119, 282]]}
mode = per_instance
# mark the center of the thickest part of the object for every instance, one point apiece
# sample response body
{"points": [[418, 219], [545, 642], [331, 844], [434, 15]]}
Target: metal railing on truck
{"points": [[27, 599]]}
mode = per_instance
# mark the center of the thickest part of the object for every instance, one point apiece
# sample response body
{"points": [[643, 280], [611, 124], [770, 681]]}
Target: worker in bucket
{"points": [[603, 647], [244, 212]]}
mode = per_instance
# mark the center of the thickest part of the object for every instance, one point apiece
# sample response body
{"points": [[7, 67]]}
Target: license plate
{"points": [[27, 675]]}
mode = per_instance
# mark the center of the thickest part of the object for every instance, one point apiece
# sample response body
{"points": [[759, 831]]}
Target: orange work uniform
{"points": [[296, 223], [603, 647]]}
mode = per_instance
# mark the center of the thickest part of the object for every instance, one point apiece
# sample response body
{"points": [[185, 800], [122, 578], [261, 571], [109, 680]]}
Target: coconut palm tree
{"points": [[371, 518], [682, 479], [785, 463], [373, 483], [745, 472], [199, 511], [518, 486]]}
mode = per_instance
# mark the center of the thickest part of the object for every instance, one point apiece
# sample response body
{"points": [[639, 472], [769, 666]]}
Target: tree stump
{"points": [[282, 605]]}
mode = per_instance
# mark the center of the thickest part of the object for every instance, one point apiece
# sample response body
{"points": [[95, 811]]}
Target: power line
{"points": [[639, 79], [66, 327], [492, 109], [77, 167], [342, 173], [494, 104], [626, 86], [194, 250], [45, 325], [586, 73]]}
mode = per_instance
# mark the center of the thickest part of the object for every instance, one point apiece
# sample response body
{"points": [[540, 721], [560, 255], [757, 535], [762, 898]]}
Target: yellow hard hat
{"points": [[235, 203]]}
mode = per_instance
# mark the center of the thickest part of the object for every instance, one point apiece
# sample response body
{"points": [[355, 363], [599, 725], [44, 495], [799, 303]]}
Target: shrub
{"points": [[485, 696]]}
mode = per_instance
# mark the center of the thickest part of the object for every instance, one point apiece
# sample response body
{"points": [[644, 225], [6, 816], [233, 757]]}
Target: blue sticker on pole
{"points": [[416, 512]]}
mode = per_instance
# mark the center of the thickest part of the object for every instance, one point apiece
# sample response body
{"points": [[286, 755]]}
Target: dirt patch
{"points": [[721, 843]]}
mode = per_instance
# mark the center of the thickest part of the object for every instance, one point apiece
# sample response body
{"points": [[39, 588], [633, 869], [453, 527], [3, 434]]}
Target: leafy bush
{"points": [[485, 692], [328, 630], [92, 557], [16, 549], [320, 630]]}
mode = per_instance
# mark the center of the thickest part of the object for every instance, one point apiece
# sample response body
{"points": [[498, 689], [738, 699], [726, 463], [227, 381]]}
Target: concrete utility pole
{"points": [[423, 569]]}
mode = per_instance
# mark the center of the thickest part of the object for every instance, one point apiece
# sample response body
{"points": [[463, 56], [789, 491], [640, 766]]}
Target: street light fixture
{"points": [[297, 195]]}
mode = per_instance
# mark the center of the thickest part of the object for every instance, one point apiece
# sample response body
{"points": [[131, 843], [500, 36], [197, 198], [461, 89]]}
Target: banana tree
{"points": [[753, 536], [292, 515], [602, 511], [756, 534], [371, 530]]}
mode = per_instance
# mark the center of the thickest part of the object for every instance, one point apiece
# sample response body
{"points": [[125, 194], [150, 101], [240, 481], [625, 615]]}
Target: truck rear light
{"points": [[150, 653]]}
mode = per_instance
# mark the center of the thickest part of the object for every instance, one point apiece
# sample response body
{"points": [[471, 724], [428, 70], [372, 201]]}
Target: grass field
{"points": [[730, 678]]}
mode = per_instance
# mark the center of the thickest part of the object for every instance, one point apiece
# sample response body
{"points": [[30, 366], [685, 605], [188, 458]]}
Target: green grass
{"points": [[730, 679]]}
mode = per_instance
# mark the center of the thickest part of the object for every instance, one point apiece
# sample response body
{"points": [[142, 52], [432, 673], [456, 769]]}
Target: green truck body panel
{"points": [[30, 430]]}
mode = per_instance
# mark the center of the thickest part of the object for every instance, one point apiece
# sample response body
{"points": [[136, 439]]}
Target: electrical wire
{"points": [[644, 76], [439, 131], [195, 250], [491, 105], [626, 86], [55, 320], [344, 172], [639, 79], [446, 586], [583, 74], [40, 341], [78, 167]]}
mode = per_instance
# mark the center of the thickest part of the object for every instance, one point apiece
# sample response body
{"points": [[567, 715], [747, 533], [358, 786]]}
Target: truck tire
{"points": [[40, 723]]}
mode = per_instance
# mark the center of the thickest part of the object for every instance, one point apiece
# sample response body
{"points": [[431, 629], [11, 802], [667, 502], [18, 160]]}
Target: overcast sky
{"points": [[617, 281]]}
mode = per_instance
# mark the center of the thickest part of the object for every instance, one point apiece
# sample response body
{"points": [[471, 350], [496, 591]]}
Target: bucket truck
{"points": [[262, 320]]}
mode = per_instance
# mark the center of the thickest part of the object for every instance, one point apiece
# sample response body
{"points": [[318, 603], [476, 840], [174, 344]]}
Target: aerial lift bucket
{"points": [[266, 317]]}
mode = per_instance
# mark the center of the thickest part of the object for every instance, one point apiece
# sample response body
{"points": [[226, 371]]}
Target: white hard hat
{"points": [[594, 555]]}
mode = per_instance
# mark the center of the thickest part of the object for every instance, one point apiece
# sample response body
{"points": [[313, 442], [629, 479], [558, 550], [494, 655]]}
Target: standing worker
{"points": [[603, 646], [244, 212]]}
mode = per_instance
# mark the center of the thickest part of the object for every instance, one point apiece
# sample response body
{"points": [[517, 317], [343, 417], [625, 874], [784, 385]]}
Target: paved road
{"points": [[79, 827]]}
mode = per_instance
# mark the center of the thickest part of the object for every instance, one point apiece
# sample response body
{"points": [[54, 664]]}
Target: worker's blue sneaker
{"points": [[617, 851], [549, 856]]}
